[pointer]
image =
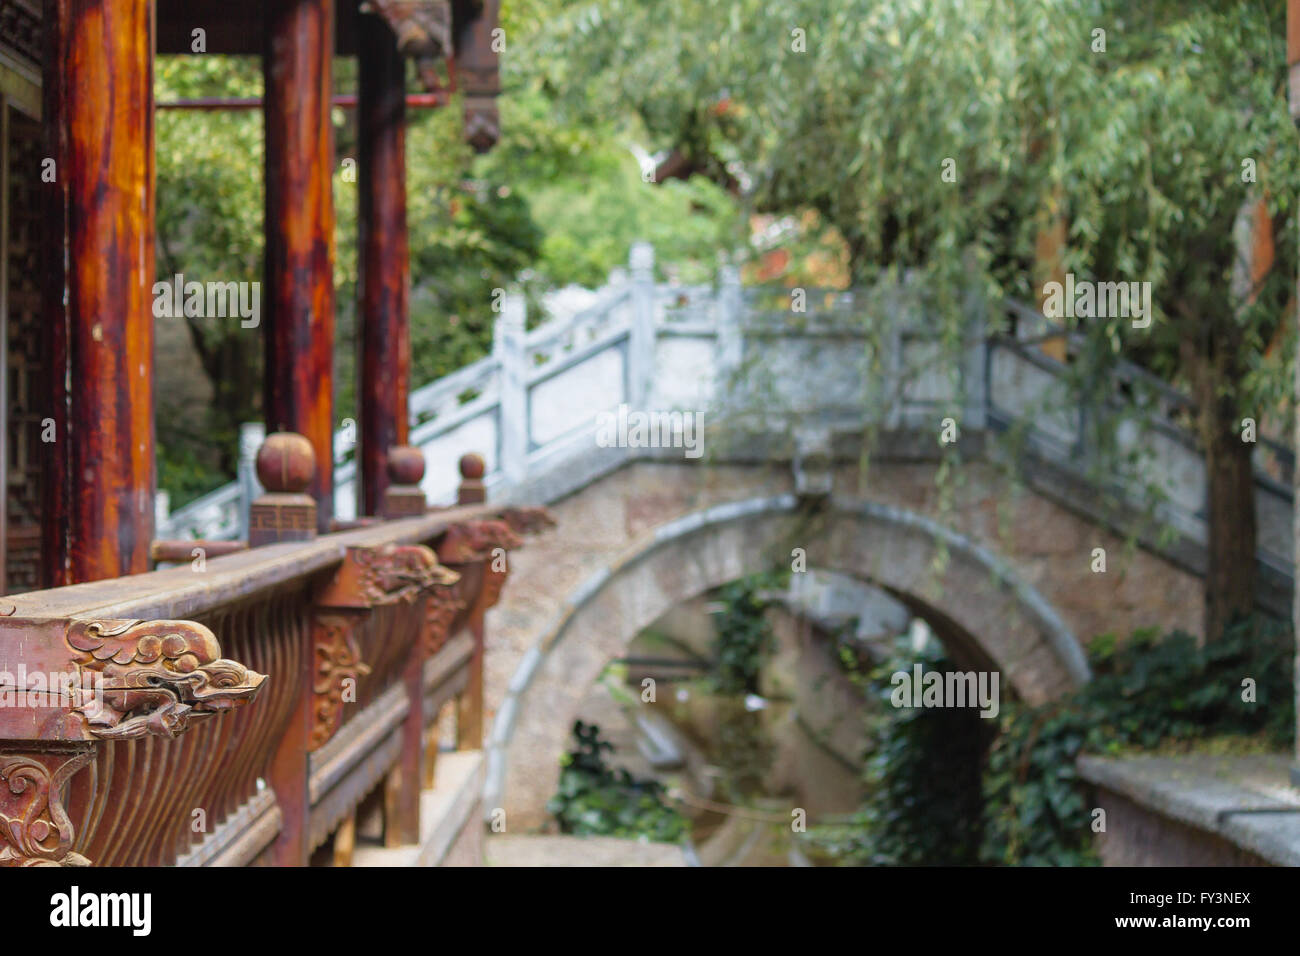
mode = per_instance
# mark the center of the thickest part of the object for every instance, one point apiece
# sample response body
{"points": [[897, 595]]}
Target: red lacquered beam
{"points": [[347, 101]]}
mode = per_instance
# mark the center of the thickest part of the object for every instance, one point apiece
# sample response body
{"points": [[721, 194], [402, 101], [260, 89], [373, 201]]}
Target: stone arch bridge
{"points": [[818, 434]]}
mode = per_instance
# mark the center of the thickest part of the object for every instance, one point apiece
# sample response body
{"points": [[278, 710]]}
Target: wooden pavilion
{"points": [[255, 706]]}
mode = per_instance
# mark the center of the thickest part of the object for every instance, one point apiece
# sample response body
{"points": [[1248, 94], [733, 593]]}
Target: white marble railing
{"points": [[786, 357]]}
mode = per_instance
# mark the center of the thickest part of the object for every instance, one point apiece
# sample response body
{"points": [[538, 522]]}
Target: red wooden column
{"points": [[99, 119], [299, 293], [385, 341]]}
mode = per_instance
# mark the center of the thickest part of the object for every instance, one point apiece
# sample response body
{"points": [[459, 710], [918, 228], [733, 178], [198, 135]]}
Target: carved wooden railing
{"points": [[241, 710]]}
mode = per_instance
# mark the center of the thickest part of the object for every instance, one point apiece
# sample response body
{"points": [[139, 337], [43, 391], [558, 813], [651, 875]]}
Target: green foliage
{"points": [[1140, 151], [209, 228], [1145, 693], [933, 799], [182, 473], [922, 780], [1139, 148], [743, 639], [594, 800], [552, 204]]}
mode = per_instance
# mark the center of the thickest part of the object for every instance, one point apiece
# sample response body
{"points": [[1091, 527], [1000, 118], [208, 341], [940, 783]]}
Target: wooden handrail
{"points": [[240, 713], [182, 592]]}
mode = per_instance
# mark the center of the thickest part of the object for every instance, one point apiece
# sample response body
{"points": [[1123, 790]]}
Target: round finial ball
{"points": [[405, 465], [472, 466], [285, 463]]}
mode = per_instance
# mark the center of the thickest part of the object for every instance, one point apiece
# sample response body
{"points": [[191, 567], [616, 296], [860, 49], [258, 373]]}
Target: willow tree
{"points": [[1193, 142], [947, 137]]}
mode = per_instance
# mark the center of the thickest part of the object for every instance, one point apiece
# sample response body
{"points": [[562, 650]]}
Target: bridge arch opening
{"points": [[988, 612]]}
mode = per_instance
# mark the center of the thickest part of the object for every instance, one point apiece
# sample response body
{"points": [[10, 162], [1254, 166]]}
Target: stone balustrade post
{"points": [[641, 344], [251, 436], [508, 347], [974, 372], [403, 497], [730, 306], [471, 490]]}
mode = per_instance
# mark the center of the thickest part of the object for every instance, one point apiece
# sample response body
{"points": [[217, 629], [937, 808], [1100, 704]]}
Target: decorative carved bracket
{"points": [[493, 582], [368, 578], [471, 541], [444, 604], [423, 29], [154, 677], [527, 519], [371, 577], [34, 827]]}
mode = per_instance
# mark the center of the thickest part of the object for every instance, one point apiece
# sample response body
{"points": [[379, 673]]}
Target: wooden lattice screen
{"points": [[26, 376]]}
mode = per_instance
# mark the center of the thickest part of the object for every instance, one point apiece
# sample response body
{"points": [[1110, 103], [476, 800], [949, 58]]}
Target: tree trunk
{"points": [[1230, 574]]}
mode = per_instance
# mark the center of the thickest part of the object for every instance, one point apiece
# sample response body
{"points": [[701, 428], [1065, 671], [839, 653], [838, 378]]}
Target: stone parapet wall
{"points": [[1196, 810]]}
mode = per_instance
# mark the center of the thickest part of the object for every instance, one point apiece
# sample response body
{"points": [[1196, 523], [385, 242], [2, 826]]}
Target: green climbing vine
{"points": [[1147, 693], [938, 793], [743, 638], [922, 776], [594, 799]]}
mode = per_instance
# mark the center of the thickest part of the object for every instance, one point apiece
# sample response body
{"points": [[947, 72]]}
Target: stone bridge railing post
{"points": [[730, 341], [641, 345], [509, 351], [975, 384], [251, 436]]}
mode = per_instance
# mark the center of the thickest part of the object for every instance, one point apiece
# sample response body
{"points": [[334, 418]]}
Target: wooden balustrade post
{"points": [[394, 581], [345, 841], [402, 786], [298, 382], [403, 496], [384, 287], [98, 101], [478, 550], [471, 490], [469, 717], [285, 464]]}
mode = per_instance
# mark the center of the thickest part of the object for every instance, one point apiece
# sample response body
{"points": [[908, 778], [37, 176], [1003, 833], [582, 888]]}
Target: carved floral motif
{"points": [[338, 660], [399, 572], [157, 677], [34, 827]]}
